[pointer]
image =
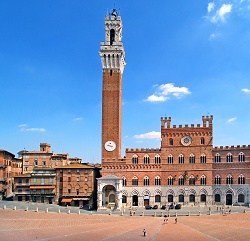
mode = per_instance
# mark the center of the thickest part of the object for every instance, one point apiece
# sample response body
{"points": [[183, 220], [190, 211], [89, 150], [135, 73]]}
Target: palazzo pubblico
{"points": [[186, 169]]}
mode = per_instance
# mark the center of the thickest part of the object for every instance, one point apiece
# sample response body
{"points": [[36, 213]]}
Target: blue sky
{"points": [[184, 59]]}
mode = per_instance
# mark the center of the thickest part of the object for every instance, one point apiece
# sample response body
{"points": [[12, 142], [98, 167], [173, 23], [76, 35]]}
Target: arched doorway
{"points": [[241, 198], [109, 199], [192, 198], [181, 198], [229, 199], [203, 198], [217, 198], [124, 199], [135, 200], [170, 198]]}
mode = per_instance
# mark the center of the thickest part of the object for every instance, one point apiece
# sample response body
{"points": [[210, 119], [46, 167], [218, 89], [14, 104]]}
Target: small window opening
{"points": [[112, 36]]}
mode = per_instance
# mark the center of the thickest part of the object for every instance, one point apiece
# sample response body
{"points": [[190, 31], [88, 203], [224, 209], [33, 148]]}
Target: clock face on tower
{"points": [[186, 140], [110, 146]]}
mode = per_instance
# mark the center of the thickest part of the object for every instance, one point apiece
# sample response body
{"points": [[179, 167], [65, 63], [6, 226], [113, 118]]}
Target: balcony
{"points": [[22, 184]]}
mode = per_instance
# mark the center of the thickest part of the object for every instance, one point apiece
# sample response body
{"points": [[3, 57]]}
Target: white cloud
{"points": [[210, 6], [77, 119], [22, 125], [246, 90], [171, 89], [213, 36], [149, 135], [164, 90], [232, 120], [33, 129], [155, 98], [220, 15]]}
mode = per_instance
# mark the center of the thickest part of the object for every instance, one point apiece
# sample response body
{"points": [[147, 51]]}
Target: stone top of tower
{"points": [[112, 52], [114, 15]]}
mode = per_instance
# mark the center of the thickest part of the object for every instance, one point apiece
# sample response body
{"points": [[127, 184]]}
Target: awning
{"points": [[66, 200], [42, 187], [80, 198]]}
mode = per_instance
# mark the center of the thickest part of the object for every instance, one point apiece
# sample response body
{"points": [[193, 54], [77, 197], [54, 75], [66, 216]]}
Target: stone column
{"points": [[99, 199]]}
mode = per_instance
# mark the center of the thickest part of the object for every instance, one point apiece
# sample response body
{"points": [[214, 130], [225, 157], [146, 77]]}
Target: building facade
{"points": [[186, 169], [76, 185], [9, 167]]}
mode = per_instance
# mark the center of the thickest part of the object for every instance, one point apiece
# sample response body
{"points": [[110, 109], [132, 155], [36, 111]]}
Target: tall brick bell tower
{"points": [[109, 191], [113, 61]]}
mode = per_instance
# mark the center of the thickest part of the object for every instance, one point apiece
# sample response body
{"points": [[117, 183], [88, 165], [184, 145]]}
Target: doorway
{"points": [[229, 199], [135, 200]]}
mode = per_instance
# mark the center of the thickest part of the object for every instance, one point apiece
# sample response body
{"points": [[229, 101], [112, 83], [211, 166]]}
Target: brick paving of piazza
{"points": [[22, 225]]}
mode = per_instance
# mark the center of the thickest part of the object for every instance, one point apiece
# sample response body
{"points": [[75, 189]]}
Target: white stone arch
{"points": [[241, 191], [229, 190], [181, 192], [170, 191], [135, 192], [158, 192], [125, 193], [203, 191], [146, 192], [191, 191], [217, 191]]}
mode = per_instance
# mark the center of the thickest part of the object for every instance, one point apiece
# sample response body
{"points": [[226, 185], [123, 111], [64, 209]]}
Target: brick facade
{"points": [[186, 167]]}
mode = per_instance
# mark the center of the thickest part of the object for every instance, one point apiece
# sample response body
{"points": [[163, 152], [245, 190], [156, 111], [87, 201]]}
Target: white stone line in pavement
{"points": [[115, 235], [209, 236], [157, 232]]}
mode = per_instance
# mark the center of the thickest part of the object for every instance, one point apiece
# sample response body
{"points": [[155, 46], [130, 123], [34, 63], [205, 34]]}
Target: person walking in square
{"points": [[144, 232]]}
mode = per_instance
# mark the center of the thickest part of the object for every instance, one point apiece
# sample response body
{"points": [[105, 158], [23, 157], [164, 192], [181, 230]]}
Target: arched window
{"points": [[135, 159], [134, 181], [181, 159], [241, 179], [217, 180], [191, 180], [157, 181], [203, 158], [203, 180], [229, 157], [170, 181], [192, 158], [241, 157], [146, 159], [146, 181], [157, 159], [202, 141], [112, 36], [229, 179], [124, 181], [217, 158], [170, 159], [171, 142], [181, 181]]}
